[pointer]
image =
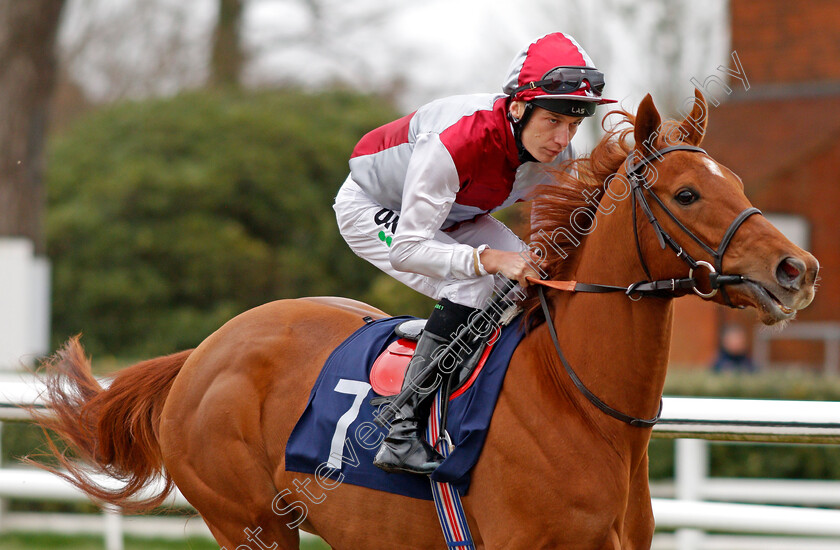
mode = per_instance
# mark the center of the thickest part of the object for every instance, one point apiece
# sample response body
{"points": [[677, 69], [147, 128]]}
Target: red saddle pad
{"points": [[388, 371]]}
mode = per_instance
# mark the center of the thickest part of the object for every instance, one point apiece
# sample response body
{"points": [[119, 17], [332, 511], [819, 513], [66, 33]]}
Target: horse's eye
{"points": [[686, 197]]}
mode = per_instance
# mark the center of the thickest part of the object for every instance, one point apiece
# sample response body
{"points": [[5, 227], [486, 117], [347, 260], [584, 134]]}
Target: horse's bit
{"points": [[717, 280]]}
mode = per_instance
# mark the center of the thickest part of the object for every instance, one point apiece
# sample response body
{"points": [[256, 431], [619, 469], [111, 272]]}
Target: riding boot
{"points": [[404, 448]]}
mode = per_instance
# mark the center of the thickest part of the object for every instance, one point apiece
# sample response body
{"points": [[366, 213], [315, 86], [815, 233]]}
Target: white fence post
{"points": [[691, 464], [3, 501], [24, 303], [113, 528]]}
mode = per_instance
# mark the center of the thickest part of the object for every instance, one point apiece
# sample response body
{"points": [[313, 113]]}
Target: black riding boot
{"points": [[404, 448]]}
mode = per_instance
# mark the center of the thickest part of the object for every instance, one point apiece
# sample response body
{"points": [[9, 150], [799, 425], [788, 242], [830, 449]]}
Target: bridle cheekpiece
{"points": [[669, 287]]}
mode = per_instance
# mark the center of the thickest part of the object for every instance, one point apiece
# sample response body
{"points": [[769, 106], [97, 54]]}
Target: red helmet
{"points": [[555, 69]]}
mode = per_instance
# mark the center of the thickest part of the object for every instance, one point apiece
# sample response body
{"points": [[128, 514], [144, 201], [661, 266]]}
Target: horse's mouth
{"points": [[771, 307]]}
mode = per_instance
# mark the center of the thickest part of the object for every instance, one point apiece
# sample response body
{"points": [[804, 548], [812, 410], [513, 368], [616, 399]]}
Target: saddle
{"points": [[388, 371], [338, 426]]}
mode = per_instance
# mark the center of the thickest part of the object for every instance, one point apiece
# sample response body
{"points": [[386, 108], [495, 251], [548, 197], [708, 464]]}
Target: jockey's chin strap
{"points": [[661, 287]]}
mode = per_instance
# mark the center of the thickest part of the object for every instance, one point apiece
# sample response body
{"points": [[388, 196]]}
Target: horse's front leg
{"points": [[638, 522]]}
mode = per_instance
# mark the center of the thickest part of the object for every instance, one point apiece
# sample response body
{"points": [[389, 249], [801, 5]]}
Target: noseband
{"points": [[717, 280]]}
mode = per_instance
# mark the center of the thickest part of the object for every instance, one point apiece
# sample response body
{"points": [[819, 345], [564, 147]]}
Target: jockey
{"points": [[417, 202]]}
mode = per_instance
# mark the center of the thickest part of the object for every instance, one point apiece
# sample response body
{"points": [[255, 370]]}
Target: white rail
{"points": [[690, 420], [746, 518], [768, 421], [682, 417]]}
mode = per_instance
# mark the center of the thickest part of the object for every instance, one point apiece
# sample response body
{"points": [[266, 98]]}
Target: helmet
{"points": [[555, 73]]}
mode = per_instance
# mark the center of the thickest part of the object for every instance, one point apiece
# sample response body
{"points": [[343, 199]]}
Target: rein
{"points": [[626, 418], [661, 287]]}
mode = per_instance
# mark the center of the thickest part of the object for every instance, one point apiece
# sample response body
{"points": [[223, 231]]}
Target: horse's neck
{"points": [[618, 347]]}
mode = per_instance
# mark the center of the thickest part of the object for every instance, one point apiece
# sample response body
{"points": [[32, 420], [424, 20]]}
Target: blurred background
{"points": [[175, 162], [166, 165]]}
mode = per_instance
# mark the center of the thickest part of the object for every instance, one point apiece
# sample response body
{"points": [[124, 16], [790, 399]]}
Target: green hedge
{"points": [[748, 459], [168, 217], [781, 384]]}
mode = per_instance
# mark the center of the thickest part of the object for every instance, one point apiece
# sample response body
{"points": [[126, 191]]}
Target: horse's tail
{"points": [[112, 430]]}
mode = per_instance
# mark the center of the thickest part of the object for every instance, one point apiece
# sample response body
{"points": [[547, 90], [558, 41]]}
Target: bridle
{"points": [[640, 186], [667, 287]]}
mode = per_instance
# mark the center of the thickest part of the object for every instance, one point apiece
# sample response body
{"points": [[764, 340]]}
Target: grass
{"points": [[32, 541]]}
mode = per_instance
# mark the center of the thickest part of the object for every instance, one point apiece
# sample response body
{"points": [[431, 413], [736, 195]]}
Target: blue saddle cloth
{"points": [[336, 438]]}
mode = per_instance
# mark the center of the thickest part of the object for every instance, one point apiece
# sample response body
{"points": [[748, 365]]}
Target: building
{"points": [[782, 137]]}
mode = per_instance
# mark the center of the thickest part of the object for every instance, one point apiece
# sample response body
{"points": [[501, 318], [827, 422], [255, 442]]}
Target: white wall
{"points": [[24, 304]]}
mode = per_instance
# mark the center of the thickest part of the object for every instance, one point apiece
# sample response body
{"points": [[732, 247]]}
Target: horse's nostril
{"points": [[790, 272]]}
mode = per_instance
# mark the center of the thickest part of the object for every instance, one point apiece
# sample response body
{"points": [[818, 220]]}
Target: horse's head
{"points": [[687, 202]]}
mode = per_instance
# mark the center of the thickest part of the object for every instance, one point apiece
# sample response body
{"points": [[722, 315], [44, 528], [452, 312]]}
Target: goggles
{"points": [[564, 80]]}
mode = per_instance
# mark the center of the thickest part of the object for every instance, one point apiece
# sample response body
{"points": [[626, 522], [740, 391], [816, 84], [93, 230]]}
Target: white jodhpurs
{"points": [[368, 228]]}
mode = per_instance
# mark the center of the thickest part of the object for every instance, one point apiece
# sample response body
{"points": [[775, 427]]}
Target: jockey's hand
{"points": [[516, 266]]}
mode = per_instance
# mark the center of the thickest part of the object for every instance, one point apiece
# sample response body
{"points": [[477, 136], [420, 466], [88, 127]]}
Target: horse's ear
{"points": [[646, 127], [693, 128]]}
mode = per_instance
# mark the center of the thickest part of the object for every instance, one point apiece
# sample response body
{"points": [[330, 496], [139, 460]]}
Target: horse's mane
{"points": [[555, 204]]}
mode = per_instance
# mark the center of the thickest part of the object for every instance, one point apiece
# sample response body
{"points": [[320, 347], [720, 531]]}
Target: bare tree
{"points": [[327, 42], [136, 48], [27, 75], [227, 58]]}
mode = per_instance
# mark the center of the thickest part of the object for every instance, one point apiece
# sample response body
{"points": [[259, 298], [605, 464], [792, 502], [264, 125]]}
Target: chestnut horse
{"points": [[555, 471]]}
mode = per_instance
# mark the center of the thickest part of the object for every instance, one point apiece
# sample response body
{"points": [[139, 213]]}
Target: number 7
{"points": [[360, 390]]}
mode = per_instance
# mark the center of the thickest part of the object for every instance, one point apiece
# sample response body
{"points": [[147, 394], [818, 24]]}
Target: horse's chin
{"points": [[769, 308]]}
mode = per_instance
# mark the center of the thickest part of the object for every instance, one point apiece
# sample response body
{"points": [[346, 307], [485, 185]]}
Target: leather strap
{"points": [[657, 155], [662, 286], [640, 187], [626, 418], [717, 280]]}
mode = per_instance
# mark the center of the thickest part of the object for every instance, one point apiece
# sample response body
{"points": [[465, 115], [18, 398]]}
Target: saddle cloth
{"points": [[336, 438]]}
